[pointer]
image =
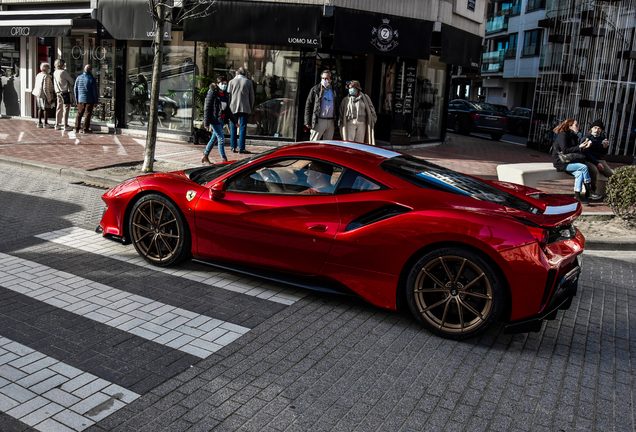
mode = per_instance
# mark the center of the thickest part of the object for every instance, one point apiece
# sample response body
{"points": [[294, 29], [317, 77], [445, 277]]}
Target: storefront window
{"points": [[10, 76], [100, 54], [428, 100], [175, 93], [274, 73]]}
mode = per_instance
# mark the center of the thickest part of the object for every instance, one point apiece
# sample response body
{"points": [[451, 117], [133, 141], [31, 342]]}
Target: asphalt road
{"points": [[93, 339]]}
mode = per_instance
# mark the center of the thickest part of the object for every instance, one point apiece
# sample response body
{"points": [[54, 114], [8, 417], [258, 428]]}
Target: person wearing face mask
{"points": [[320, 114], [595, 153], [357, 115], [216, 112]]}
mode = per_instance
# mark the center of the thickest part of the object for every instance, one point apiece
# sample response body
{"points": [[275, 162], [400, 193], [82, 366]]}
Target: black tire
{"points": [[457, 127], [496, 137], [446, 278], [158, 231], [544, 144]]}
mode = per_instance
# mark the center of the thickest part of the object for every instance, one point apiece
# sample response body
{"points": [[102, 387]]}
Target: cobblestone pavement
{"points": [[92, 339]]}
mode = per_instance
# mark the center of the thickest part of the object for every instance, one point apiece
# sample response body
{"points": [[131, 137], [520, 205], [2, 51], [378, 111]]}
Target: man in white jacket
{"points": [[62, 83]]}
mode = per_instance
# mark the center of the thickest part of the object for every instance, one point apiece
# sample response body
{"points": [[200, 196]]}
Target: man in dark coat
{"points": [[320, 109]]}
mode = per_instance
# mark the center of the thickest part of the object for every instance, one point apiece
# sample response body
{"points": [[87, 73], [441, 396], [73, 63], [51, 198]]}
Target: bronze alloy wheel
{"points": [[454, 294], [157, 230]]}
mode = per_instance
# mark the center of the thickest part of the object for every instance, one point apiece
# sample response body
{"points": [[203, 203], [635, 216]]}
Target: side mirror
{"points": [[217, 191]]}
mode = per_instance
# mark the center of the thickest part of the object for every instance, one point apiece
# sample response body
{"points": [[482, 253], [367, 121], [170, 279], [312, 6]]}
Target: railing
{"points": [[515, 9], [530, 50], [493, 61], [497, 23], [511, 53]]}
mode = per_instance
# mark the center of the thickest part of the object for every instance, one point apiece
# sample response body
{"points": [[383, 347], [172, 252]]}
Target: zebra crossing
{"points": [[88, 241], [70, 393]]}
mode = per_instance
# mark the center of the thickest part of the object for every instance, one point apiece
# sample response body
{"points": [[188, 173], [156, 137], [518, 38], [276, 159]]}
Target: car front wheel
{"points": [[158, 231], [454, 293]]}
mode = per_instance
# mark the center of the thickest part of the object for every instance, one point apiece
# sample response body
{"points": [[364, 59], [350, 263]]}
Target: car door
{"points": [[267, 219]]}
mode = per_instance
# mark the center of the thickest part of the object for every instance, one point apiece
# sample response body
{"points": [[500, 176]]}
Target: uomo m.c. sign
{"points": [[97, 53], [20, 31]]}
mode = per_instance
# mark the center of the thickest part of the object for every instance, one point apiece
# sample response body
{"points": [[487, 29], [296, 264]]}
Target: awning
{"points": [[39, 23], [460, 47], [129, 20], [257, 23], [377, 33]]}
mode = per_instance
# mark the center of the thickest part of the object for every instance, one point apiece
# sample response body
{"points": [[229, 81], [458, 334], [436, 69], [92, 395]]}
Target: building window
{"points": [[10, 76], [535, 4], [532, 42], [511, 52], [515, 9]]}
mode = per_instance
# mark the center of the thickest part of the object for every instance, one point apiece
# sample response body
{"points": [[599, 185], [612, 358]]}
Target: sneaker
{"points": [[46, 125], [67, 128], [40, 125], [81, 131], [88, 131], [57, 127], [245, 152]]}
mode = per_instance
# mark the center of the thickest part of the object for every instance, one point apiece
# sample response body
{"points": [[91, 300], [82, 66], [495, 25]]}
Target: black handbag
{"points": [[66, 97], [568, 158]]}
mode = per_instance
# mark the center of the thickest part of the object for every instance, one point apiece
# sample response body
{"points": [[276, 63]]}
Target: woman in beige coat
{"points": [[357, 116], [44, 94]]}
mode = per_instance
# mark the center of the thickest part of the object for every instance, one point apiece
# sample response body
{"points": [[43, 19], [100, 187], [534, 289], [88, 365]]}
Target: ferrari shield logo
{"points": [[190, 195]]}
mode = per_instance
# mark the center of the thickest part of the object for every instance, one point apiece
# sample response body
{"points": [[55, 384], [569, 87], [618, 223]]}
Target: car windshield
{"points": [[204, 175], [427, 175]]}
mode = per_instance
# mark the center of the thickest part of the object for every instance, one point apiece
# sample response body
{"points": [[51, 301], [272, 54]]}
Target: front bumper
{"points": [[562, 296]]}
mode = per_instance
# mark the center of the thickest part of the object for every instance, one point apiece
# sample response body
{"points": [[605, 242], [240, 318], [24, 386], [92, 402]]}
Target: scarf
{"points": [[352, 107]]}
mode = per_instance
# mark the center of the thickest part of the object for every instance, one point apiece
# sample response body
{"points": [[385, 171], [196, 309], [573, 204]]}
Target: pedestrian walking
{"points": [[44, 94], [595, 153], [63, 84], [216, 111], [241, 96], [567, 155], [139, 97], [86, 97], [320, 114], [357, 115]]}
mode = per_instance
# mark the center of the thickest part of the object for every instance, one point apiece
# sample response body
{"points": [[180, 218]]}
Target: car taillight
{"points": [[504, 119], [474, 115], [540, 234]]}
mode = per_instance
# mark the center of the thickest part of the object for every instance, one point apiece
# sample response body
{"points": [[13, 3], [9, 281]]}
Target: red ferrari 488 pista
{"points": [[461, 253]]}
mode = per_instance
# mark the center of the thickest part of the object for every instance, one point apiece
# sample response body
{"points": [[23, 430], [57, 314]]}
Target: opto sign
{"points": [[20, 31], [96, 53]]}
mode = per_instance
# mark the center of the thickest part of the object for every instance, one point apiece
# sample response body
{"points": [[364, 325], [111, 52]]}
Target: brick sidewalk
{"points": [[21, 139]]}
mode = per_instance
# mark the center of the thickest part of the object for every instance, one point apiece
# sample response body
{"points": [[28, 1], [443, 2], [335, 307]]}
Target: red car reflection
{"points": [[460, 253]]}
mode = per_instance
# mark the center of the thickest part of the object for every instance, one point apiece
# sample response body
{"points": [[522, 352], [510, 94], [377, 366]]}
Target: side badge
{"points": [[190, 195]]}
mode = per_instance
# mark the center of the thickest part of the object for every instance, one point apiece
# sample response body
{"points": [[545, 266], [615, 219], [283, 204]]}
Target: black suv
{"points": [[471, 116]]}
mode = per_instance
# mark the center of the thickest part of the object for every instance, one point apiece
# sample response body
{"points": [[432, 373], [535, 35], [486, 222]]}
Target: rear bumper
{"points": [[561, 299]]}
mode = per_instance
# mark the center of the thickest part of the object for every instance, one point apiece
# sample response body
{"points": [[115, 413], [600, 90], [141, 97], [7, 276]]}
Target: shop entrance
{"points": [[407, 94]]}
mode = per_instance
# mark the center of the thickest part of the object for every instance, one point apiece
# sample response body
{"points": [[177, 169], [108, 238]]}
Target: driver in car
{"points": [[319, 178]]}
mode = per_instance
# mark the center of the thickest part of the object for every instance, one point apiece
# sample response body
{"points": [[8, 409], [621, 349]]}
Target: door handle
{"points": [[318, 228]]}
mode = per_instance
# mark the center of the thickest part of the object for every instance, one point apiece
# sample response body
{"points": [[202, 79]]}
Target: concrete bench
{"points": [[530, 174]]}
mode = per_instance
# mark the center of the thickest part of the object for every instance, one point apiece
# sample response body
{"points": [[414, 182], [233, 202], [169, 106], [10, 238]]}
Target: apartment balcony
{"points": [[498, 23], [493, 62]]}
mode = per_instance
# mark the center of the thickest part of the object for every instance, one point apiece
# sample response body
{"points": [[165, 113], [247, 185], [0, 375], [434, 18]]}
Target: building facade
{"points": [[512, 47], [588, 70], [401, 53]]}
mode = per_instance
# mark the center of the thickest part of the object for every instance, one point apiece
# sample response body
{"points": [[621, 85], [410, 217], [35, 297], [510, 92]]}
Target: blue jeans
{"points": [[242, 120], [217, 135], [581, 175]]}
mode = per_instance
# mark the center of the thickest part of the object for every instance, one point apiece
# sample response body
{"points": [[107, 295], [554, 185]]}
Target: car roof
{"points": [[356, 155]]}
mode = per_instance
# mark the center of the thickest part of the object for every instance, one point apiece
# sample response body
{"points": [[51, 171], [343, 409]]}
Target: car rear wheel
{"points": [[457, 127], [158, 231], [454, 292]]}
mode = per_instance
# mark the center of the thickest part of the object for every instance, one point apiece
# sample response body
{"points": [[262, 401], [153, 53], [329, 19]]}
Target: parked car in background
{"points": [[472, 116], [519, 121], [272, 117], [501, 108]]}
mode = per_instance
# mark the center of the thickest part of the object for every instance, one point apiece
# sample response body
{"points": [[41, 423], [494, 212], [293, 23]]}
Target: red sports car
{"points": [[460, 252]]}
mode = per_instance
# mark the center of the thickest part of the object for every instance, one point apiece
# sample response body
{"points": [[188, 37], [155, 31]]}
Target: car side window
{"points": [[289, 177], [354, 182]]}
